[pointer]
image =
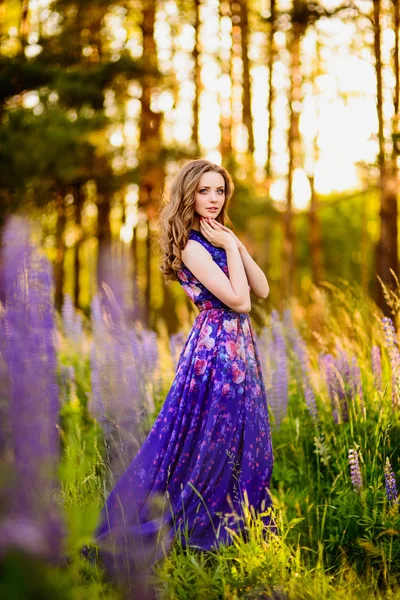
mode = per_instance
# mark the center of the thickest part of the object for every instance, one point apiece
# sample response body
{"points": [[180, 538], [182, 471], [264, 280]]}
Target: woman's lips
{"points": [[212, 209]]}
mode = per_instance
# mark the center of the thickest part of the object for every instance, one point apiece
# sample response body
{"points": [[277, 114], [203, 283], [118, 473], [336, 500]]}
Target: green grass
{"points": [[333, 542]]}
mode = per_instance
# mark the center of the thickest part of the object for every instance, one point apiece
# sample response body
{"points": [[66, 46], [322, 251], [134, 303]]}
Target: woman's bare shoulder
{"points": [[193, 248]]}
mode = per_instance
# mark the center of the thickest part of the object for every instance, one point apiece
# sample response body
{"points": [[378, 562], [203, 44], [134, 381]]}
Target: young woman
{"points": [[210, 447]]}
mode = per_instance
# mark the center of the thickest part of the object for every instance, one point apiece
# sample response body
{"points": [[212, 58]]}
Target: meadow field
{"points": [[331, 374]]}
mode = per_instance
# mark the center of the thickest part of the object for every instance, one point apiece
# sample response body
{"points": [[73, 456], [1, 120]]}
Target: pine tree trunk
{"points": [[2, 17], [226, 112], [150, 121], [137, 315], [316, 254], [103, 238], [148, 276], [152, 169], [386, 252], [393, 186], [24, 23], [271, 60], [60, 251], [246, 98], [197, 77], [315, 236], [79, 199], [396, 62], [294, 151], [168, 310], [2, 280]]}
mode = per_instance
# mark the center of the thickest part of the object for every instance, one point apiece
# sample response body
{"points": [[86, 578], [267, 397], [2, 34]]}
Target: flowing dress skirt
{"points": [[209, 447]]}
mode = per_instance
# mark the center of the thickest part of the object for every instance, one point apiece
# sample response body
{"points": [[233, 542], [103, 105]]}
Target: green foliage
{"points": [[332, 541], [45, 150], [25, 578]]}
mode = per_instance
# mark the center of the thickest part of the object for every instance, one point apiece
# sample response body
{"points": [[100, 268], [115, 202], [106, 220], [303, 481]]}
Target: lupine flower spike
{"points": [[377, 366], [304, 376], [327, 366], [280, 375], [29, 430], [355, 471], [390, 483], [392, 345]]}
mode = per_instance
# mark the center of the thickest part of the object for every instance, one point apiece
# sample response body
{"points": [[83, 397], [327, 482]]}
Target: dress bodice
{"points": [[197, 292]]}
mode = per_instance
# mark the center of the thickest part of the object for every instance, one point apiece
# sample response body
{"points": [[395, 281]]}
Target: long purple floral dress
{"points": [[210, 445]]}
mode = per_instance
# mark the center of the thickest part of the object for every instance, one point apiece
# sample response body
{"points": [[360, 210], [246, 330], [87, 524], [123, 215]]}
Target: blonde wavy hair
{"points": [[177, 216]]}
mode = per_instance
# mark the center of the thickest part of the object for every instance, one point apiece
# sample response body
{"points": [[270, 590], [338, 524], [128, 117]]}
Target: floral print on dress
{"points": [[210, 444]]}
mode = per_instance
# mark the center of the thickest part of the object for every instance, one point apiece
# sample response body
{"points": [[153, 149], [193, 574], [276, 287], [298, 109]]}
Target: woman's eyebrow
{"points": [[220, 187]]}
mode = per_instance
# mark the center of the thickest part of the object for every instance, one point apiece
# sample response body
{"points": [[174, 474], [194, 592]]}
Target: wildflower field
{"points": [[331, 375]]}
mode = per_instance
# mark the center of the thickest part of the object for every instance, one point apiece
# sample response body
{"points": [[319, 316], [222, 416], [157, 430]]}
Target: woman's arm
{"points": [[255, 276], [232, 291]]}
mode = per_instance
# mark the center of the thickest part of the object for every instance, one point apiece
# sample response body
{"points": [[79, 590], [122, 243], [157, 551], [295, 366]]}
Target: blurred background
{"points": [[103, 101]]}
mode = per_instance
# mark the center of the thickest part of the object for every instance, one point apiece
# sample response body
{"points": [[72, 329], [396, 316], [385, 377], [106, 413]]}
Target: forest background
{"points": [[102, 102]]}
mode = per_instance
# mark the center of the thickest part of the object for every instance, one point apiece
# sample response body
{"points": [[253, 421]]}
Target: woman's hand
{"points": [[238, 242], [214, 234]]}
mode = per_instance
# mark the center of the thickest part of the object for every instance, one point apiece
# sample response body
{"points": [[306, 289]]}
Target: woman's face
{"points": [[210, 195]]}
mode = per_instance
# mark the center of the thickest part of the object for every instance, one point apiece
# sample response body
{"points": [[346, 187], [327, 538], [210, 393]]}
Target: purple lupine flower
{"points": [[4, 388], [321, 363], [68, 383], [280, 375], [110, 273], [390, 334], [115, 384], [115, 272], [72, 320], [124, 364], [151, 371], [355, 471], [145, 350], [264, 343], [355, 378], [343, 381], [150, 354], [343, 362], [300, 350], [328, 368], [356, 384], [377, 366], [391, 343], [176, 344], [29, 423], [390, 483], [95, 404]]}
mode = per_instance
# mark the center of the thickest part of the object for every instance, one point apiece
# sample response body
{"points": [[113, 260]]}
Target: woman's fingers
{"points": [[220, 225], [211, 223], [205, 225], [206, 229]]}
